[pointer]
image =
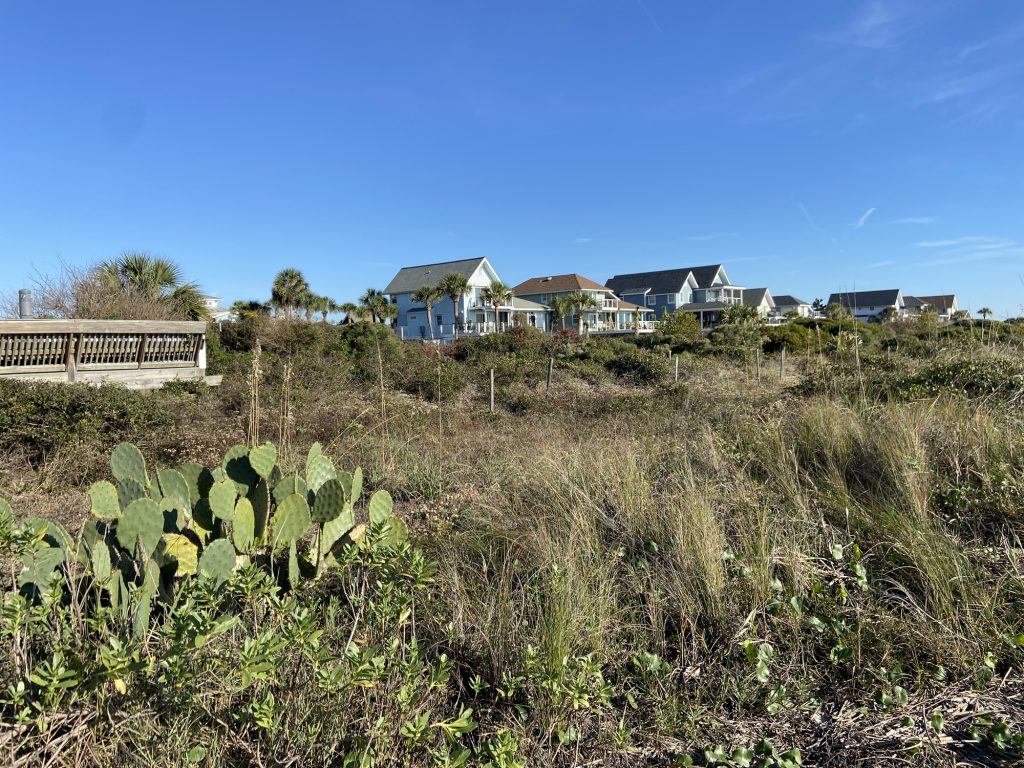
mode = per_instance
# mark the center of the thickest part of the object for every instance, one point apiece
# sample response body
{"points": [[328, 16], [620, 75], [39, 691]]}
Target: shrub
{"points": [[792, 337], [431, 373], [361, 342], [639, 366], [680, 330], [41, 417]]}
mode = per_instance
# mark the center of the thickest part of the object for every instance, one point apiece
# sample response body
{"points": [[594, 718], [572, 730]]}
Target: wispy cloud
{"points": [[962, 250], [974, 241], [915, 220], [865, 216], [880, 264], [584, 240], [875, 24], [712, 236], [1007, 35], [814, 224]]}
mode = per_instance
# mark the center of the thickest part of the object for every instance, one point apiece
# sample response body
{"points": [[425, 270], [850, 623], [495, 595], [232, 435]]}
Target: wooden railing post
{"points": [[142, 350], [70, 356]]}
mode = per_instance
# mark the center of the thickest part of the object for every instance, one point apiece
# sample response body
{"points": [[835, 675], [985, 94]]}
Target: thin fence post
{"points": [[757, 362], [551, 370], [677, 370], [782, 364], [492, 390]]}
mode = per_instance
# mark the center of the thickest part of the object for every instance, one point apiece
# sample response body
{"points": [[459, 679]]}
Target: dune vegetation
{"points": [[672, 555]]}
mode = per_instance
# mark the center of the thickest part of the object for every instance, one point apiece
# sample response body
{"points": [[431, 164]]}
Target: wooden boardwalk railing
{"points": [[137, 353]]}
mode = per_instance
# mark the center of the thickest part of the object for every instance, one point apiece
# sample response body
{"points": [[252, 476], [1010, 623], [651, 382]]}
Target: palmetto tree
{"points": [[582, 302], [560, 306], [288, 290], [427, 295], [351, 311], [985, 313], [496, 294], [153, 279], [377, 303], [244, 309], [455, 286]]}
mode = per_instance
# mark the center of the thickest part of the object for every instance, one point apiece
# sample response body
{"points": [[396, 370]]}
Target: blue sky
{"points": [[809, 146]]}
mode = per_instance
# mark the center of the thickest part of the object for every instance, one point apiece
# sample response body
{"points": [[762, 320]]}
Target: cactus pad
{"points": [[357, 485], [100, 562], [127, 462], [263, 459], [103, 498], [142, 522], [218, 560], [175, 516], [237, 467], [380, 507], [243, 527], [222, 499], [192, 472], [319, 470], [260, 498], [289, 485], [290, 521], [179, 550], [173, 483], [330, 500], [128, 491], [395, 532], [336, 528]]}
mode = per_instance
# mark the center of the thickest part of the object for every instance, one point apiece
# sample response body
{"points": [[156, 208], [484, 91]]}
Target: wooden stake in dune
{"points": [[757, 363], [782, 364], [492, 390], [551, 370], [676, 374]]}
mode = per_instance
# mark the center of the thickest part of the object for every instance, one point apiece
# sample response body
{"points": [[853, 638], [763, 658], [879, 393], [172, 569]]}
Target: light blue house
{"points": [[475, 316], [705, 291]]}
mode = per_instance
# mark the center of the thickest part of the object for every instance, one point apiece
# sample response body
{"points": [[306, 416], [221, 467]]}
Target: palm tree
{"points": [[153, 279], [496, 294], [351, 311], [307, 302], [455, 286], [375, 301], [427, 295], [985, 313], [325, 306], [245, 309], [581, 302], [387, 311], [288, 289], [560, 306]]}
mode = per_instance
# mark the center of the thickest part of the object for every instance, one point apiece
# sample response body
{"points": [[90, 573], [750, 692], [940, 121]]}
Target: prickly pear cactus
{"points": [[289, 485], [218, 560], [329, 501], [173, 483], [142, 522], [380, 507], [260, 499], [192, 473], [176, 518], [334, 529], [127, 462], [319, 470], [238, 469], [222, 499], [129, 490], [104, 501], [179, 550], [243, 527], [290, 521], [357, 485], [263, 459]]}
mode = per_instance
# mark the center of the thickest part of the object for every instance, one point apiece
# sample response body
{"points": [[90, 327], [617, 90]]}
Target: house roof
{"points": [[518, 303], [409, 279], [663, 281], [786, 300], [753, 297], [557, 284], [854, 299], [625, 306], [942, 303]]}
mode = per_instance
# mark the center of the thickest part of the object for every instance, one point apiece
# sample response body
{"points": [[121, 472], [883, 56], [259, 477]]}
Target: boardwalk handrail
{"points": [[110, 350]]}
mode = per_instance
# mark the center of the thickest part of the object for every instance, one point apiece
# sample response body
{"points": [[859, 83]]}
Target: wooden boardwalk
{"points": [[137, 354]]}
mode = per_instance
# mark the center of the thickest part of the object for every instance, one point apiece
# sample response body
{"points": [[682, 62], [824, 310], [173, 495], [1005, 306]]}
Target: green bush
{"points": [[39, 418], [371, 347], [790, 336], [639, 366], [431, 373]]}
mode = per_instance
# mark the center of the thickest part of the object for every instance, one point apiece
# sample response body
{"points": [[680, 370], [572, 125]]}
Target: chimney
{"points": [[25, 304]]}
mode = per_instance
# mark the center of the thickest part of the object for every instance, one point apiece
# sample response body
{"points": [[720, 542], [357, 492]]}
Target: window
{"points": [[650, 301], [440, 320], [672, 299]]}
